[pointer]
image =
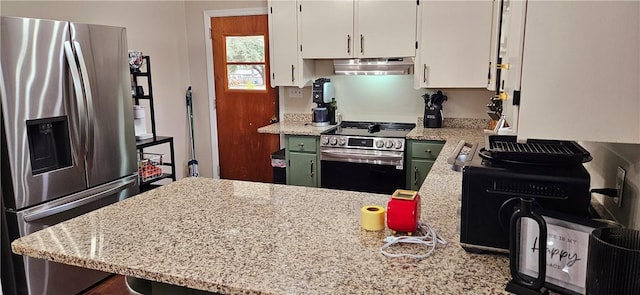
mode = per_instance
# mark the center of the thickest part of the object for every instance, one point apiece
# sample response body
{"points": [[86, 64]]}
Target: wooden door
{"points": [[244, 103]]}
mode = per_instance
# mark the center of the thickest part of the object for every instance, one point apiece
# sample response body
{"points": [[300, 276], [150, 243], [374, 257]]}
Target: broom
{"points": [[193, 163]]}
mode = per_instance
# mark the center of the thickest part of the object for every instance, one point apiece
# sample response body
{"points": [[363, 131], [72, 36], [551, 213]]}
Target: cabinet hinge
{"points": [[416, 44], [516, 97], [210, 33]]}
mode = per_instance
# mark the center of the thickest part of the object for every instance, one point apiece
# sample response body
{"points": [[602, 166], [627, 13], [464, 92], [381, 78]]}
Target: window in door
{"points": [[245, 63]]}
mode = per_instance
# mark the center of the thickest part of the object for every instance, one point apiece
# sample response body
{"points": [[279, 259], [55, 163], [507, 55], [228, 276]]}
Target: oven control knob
{"points": [[398, 144], [325, 140], [342, 141], [334, 141], [380, 144], [389, 144]]}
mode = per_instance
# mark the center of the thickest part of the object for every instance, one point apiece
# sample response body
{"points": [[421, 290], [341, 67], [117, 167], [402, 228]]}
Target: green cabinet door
{"points": [[303, 169], [418, 172], [420, 158]]}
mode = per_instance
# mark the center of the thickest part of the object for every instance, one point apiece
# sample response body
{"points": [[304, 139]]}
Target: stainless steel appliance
{"points": [[364, 156], [492, 188], [68, 144], [322, 94]]}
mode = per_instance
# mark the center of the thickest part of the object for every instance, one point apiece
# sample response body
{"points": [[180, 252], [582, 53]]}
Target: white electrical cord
{"points": [[429, 238]]}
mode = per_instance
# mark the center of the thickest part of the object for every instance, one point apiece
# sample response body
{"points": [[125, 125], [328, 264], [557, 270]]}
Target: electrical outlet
{"points": [[620, 175], [295, 92]]}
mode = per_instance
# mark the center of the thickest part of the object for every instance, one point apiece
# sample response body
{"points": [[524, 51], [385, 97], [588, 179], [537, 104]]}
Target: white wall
{"points": [[606, 158], [155, 28]]}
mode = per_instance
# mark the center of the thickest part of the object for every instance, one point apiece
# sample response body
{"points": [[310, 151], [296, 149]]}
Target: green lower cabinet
{"points": [[418, 172], [303, 169], [420, 157]]}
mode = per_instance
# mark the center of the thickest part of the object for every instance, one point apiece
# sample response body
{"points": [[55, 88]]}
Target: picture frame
{"points": [[567, 250]]}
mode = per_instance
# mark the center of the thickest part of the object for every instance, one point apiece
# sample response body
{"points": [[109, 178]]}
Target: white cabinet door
{"points": [[454, 44], [385, 28], [283, 42], [511, 45], [327, 28], [494, 45], [581, 71]]}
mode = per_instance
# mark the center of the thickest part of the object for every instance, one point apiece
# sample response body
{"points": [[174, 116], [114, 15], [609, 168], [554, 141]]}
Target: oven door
{"points": [[362, 170]]}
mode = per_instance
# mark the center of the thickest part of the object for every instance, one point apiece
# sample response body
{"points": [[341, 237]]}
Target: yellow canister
{"points": [[372, 218]]}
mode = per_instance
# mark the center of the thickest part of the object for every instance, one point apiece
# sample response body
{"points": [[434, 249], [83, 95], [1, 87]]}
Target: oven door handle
{"points": [[342, 155]]}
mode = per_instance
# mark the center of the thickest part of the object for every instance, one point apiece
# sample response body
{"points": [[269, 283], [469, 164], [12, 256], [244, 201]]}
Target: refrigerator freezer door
{"points": [[34, 87], [103, 60], [45, 277]]}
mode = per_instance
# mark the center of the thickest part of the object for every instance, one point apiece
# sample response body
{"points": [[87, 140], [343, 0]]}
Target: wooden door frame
{"points": [[208, 14]]}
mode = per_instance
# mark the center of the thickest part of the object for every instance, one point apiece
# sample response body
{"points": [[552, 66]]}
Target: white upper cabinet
{"points": [[581, 71], [358, 28], [510, 52], [385, 28], [286, 64], [454, 42]]}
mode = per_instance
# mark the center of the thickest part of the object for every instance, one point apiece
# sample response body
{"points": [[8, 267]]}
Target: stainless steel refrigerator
{"points": [[68, 144]]}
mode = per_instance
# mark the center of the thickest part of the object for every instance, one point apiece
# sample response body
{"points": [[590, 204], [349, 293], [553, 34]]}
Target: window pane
{"points": [[250, 77], [245, 49]]}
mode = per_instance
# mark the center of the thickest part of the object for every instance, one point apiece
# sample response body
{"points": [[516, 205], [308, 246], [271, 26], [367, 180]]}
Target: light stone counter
{"points": [[294, 128], [258, 238]]}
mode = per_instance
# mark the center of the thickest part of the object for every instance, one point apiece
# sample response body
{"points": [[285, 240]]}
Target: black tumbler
{"points": [[613, 264]]}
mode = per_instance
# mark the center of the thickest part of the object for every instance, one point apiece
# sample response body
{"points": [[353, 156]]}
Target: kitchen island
{"points": [[237, 237]]}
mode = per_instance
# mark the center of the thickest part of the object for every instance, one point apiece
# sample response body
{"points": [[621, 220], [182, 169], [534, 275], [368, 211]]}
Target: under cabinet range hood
{"points": [[374, 66]]}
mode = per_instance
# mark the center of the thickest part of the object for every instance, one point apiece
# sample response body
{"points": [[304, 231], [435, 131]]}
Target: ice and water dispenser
{"points": [[49, 145]]}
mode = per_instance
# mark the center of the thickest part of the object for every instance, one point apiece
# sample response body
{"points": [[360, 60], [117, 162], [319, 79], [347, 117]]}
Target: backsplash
{"points": [[447, 123], [469, 123], [297, 117], [390, 99]]}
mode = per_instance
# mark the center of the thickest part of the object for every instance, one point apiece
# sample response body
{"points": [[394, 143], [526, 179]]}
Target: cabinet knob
{"points": [[349, 44], [504, 66], [311, 172], [415, 176], [301, 145], [361, 43], [428, 151]]}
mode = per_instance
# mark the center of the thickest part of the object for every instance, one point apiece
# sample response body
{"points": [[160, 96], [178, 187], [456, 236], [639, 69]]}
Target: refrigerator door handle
{"points": [[88, 94], [77, 86], [79, 199]]}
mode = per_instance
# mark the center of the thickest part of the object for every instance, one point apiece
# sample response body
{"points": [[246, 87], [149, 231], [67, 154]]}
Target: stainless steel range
{"points": [[364, 156]]}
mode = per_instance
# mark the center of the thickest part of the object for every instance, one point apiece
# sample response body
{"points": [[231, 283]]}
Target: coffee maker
{"points": [[322, 94]]}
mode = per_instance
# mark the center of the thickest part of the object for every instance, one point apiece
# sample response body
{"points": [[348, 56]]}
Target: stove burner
{"points": [[377, 129], [379, 136], [373, 128]]}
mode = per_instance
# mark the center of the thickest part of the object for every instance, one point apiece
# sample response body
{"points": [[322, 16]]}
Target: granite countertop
{"points": [[257, 238], [294, 128]]}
